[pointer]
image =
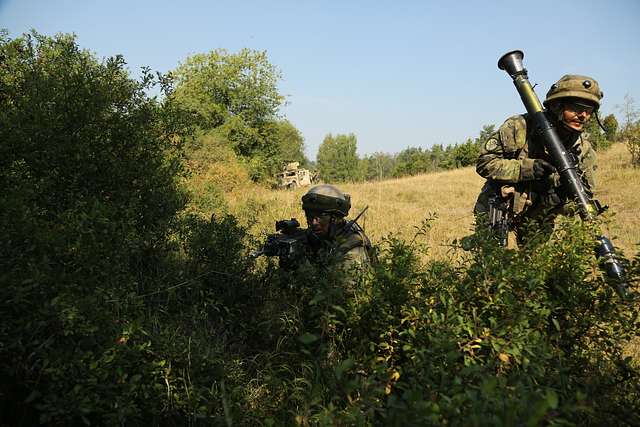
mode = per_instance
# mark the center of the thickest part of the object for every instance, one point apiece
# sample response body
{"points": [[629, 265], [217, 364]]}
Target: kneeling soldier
{"points": [[331, 238]]}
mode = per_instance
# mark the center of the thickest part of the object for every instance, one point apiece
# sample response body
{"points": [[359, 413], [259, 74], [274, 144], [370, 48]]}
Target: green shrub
{"points": [[89, 168], [529, 337]]}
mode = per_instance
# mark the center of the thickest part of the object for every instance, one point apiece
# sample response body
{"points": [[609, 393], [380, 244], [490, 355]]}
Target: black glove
{"points": [[542, 169], [535, 169]]}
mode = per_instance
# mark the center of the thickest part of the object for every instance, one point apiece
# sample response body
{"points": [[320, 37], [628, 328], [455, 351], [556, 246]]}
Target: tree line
{"points": [[338, 161], [234, 97]]}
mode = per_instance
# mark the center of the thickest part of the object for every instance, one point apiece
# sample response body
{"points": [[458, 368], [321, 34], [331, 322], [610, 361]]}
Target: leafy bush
{"points": [[89, 168], [213, 171], [504, 338]]}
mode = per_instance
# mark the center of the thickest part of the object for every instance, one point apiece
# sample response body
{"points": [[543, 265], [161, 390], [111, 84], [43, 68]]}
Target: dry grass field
{"points": [[399, 205]]}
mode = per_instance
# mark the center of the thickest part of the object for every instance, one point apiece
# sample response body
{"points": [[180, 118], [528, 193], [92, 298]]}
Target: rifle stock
{"points": [[588, 208]]}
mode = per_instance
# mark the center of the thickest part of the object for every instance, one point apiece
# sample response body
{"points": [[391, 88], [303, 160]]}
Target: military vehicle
{"points": [[292, 176]]}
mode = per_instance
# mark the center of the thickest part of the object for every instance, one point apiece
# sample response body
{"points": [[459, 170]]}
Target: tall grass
{"points": [[397, 206]]}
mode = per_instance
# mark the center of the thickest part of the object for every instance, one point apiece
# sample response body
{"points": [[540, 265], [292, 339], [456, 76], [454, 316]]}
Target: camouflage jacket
{"points": [[350, 249], [506, 161]]}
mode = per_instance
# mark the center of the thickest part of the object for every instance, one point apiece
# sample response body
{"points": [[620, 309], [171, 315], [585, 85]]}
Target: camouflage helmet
{"points": [[327, 199], [575, 86]]}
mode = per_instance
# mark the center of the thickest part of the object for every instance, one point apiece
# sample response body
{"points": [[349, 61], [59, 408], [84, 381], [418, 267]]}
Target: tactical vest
{"points": [[354, 237]]}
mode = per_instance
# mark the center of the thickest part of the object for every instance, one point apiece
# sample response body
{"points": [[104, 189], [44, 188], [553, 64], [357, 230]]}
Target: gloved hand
{"points": [[535, 169], [542, 169]]}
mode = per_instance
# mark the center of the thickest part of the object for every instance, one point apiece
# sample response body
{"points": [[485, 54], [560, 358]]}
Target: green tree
{"points": [[411, 161], [290, 142], [631, 136], [485, 134], [465, 154], [448, 160], [377, 166], [220, 85], [630, 133], [597, 137], [610, 124], [236, 95], [282, 143], [337, 158], [436, 156]]}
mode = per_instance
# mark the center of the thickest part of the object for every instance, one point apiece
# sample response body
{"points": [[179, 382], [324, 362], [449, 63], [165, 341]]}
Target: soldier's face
{"points": [[576, 115], [319, 223]]}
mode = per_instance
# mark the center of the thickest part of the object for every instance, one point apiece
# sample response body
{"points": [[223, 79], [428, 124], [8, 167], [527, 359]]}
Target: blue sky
{"points": [[397, 74]]}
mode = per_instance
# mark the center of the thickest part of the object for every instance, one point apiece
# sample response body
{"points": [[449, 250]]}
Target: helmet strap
{"points": [[595, 113]]}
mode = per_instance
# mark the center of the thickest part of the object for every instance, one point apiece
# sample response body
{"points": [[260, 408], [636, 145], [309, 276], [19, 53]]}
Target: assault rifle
{"points": [[588, 207], [291, 243], [500, 216], [288, 243]]}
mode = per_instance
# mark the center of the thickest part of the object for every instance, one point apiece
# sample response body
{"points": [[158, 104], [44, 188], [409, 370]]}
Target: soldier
{"points": [[517, 167], [331, 238], [330, 241]]}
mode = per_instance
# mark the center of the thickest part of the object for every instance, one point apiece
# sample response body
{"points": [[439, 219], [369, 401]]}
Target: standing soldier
{"points": [[521, 183]]}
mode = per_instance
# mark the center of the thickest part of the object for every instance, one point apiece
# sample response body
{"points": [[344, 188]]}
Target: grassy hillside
{"points": [[398, 205]]}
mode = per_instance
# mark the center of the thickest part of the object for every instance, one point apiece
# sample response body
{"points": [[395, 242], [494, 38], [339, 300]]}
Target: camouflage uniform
{"points": [[507, 158], [350, 249]]}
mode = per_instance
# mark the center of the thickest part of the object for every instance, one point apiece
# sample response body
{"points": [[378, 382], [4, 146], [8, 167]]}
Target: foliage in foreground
{"points": [[117, 307], [504, 338], [89, 168]]}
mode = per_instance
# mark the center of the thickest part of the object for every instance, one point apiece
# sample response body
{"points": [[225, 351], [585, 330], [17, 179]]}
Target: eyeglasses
{"points": [[579, 108]]}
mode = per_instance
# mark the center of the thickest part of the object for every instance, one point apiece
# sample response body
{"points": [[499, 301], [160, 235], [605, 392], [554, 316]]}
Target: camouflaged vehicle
{"points": [[292, 176]]}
